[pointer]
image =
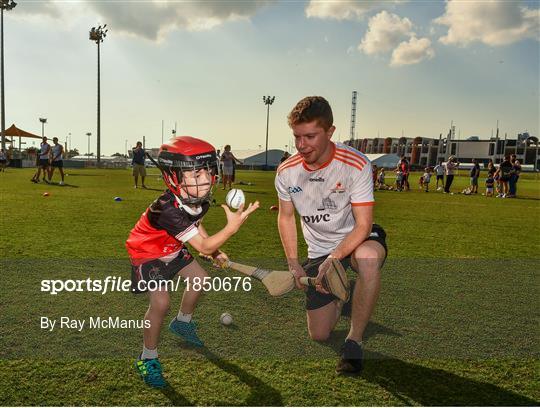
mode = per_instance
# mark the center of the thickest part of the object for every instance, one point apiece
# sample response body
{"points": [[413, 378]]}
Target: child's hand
{"points": [[220, 259], [236, 219]]}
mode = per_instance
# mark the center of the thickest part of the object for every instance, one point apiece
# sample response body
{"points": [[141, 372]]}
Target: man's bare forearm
{"points": [[287, 233], [352, 240]]}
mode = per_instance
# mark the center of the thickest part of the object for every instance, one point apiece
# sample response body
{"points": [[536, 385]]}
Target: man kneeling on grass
{"points": [[331, 187]]}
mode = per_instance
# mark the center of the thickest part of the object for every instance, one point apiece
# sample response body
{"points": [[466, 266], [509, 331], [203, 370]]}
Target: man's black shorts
{"points": [[58, 163], [157, 270], [440, 176], [44, 162], [316, 300]]}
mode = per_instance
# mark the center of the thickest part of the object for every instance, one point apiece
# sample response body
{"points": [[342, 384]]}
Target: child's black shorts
{"points": [[156, 270], [316, 300]]}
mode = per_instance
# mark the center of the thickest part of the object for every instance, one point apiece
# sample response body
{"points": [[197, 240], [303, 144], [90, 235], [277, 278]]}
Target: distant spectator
{"points": [[491, 169], [474, 175], [220, 170], [514, 176], [426, 179], [451, 167], [380, 180], [439, 171], [138, 164], [285, 156], [404, 166], [505, 170], [227, 158], [498, 184], [43, 164], [399, 180], [57, 160], [374, 175], [490, 182], [3, 160]]}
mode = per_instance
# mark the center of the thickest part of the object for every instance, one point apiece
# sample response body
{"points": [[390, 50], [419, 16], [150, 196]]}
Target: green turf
{"points": [[456, 323]]}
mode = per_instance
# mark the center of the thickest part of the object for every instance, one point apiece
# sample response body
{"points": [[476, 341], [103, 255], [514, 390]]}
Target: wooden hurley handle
{"points": [[245, 269]]}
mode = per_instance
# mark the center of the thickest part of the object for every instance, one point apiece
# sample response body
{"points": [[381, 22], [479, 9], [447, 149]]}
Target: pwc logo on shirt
{"points": [[315, 219]]}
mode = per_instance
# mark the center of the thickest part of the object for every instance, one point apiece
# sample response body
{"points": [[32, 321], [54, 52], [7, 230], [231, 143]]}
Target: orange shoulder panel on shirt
{"points": [[291, 162], [349, 162], [352, 155]]}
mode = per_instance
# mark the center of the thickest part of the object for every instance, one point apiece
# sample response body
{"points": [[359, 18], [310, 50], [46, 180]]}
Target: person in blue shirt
{"points": [[475, 174], [138, 164]]}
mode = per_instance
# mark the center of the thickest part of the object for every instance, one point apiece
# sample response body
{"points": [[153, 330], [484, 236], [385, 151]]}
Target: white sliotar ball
{"points": [[225, 319], [235, 198]]}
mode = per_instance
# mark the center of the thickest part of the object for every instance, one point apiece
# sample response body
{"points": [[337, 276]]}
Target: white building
{"points": [[424, 151]]}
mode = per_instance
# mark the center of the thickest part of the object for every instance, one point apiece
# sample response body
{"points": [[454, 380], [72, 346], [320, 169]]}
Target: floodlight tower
{"points": [[97, 35], [268, 100], [353, 117], [43, 121], [4, 5], [88, 150]]}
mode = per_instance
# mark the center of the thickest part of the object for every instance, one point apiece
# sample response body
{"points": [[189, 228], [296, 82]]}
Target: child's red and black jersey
{"points": [[162, 229]]}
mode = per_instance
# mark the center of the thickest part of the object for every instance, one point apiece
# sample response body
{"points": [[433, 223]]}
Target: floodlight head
{"points": [[43, 120]]}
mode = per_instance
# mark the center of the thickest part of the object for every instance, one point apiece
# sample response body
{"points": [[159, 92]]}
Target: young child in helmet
{"points": [[156, 245]]}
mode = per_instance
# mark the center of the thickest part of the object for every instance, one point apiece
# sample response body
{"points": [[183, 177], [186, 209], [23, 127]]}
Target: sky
{"points": [[204, 66]]}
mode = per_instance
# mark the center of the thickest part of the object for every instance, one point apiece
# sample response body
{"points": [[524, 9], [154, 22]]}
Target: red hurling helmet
{"points": [[186, 153]]}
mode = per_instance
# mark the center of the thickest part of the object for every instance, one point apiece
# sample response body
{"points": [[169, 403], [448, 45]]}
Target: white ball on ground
{"points": [[225, 319], [235, 198]]}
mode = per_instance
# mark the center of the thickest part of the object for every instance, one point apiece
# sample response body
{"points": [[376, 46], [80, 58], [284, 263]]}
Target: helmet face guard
{"points": [[187, 154]]}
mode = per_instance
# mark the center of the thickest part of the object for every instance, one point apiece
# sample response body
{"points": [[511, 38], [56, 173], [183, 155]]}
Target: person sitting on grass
{"points": [[157, 244]]}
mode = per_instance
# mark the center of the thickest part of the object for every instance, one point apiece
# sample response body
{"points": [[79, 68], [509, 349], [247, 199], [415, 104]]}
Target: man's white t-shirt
{"points": [[324, 197]]}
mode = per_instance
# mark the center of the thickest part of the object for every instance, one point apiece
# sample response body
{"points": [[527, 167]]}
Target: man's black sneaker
{"points": [[351, 360]]}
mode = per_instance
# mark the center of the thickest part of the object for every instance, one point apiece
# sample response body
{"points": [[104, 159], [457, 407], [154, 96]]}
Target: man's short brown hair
{"points": [[312, 108]]}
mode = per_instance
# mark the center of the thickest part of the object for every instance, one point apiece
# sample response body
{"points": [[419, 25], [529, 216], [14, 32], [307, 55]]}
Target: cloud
{"points": [[345, 10], [490, 22], [36, 9], [385, 32], [153, 19], [412, 52]]}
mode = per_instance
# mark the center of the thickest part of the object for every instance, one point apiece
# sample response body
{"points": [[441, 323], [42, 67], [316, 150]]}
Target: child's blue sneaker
{"points": [[151, 372], [188, 331]]}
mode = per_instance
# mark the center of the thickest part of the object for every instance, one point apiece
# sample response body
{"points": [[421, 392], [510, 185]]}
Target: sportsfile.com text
{"points": [[117, 284]]}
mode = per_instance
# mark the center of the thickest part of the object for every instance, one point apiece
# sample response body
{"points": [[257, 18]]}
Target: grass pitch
{"points": [[456, 323]]}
